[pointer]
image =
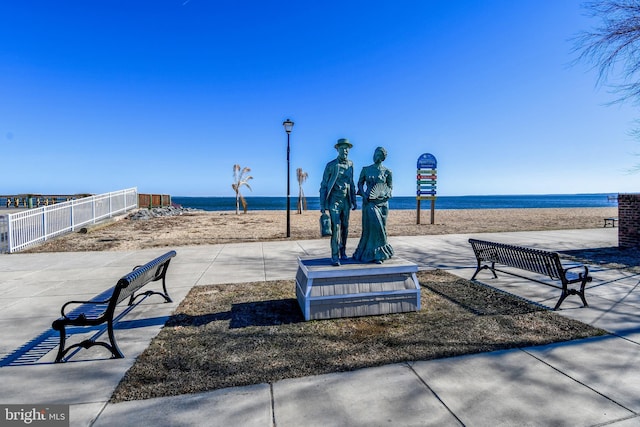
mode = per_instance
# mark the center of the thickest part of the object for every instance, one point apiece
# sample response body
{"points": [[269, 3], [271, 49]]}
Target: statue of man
{"points": [[338, 196]]}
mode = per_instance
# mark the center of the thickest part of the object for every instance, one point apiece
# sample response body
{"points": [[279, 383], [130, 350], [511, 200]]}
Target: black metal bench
{"points": [[100, 310], [610, 221], [488, 254]]}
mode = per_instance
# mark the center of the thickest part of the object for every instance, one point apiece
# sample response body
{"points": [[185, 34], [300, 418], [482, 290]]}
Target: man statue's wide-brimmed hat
{"points": [[343, 141]]}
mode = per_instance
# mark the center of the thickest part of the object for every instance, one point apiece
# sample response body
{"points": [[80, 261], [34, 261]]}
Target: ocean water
{"points": [[444, 202]]}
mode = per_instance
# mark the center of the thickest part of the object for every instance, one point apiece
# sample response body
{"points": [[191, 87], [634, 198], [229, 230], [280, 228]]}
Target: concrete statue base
{"points": [[355, 289]]}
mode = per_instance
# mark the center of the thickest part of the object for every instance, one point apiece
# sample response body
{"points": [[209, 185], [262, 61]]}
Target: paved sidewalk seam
{"points": [[264, 263], [577, 380], [273, 405], [433, 393], [93, 421]]}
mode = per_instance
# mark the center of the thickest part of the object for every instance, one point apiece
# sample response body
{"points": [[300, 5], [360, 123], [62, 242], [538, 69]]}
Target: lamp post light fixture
{"points": [[288, 126]]}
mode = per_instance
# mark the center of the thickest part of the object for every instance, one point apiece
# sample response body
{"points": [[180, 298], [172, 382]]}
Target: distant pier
{"points": [[30, 201]]}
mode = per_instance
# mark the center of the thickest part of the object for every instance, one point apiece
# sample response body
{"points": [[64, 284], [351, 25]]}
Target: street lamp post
{"points": [[288, 125]]}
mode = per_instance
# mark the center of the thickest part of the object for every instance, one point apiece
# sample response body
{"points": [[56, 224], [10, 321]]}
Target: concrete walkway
{"points": [[590, 382]]}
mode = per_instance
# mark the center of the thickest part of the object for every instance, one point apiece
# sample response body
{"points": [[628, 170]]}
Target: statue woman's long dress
{"points": [[374, 185]]}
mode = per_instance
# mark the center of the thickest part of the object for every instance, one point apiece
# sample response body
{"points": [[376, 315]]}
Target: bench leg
{"points": [[115, 351], [583, 283], [479, 268], [584, 300], [63, 338], [564, 295], [88, 343], [566, 292], [134, 297], [571, 292], [163, 294]]}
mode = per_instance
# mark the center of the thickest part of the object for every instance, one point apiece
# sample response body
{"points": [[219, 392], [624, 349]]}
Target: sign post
{"points": [[426, 177]]}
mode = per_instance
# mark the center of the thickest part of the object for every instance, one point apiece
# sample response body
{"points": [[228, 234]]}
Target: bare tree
{"points": [[239, 179], [302, 201], [613, 47]]}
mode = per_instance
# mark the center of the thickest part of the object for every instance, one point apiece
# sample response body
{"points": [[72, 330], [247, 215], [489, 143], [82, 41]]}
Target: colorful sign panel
{"points": [[426, 177]]}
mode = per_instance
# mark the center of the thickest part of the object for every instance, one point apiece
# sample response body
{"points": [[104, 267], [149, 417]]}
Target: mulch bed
{"points": [[241, 334]]}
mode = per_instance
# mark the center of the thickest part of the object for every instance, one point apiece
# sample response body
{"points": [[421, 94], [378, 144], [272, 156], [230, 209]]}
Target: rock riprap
{"points": [[145, 213]]}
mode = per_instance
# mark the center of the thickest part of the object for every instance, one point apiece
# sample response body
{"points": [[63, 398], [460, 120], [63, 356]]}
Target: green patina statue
{"points": [[374, 185], [338, 196]]}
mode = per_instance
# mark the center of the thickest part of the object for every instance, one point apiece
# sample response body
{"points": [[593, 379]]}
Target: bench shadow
{"points": [[32, 351], [242, 315], [612, 256], [485, 300]]}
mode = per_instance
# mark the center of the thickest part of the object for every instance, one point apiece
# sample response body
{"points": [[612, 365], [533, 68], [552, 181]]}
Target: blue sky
{"points": [[168, 95]]}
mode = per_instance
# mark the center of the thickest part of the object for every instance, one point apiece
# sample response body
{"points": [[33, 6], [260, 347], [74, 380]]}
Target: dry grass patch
{"points": [[240, 334]]}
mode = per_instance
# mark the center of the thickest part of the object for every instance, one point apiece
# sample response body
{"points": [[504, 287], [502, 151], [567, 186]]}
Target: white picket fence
{"points": [[23, 229]]}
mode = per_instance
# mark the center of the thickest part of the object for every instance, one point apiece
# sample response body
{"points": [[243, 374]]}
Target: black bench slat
{"points": [[101, 308], [488, 254]]}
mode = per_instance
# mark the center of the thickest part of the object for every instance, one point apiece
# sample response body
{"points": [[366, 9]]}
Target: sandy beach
{"points": [[199, 228]]}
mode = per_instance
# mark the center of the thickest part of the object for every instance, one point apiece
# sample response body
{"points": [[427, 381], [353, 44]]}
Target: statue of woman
{"points": [[374, 185]]}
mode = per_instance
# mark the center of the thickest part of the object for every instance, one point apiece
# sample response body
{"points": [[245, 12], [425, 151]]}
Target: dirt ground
{"points": [[200, 227]]}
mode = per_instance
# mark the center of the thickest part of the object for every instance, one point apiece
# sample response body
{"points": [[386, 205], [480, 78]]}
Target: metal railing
{"points": [[23, 229]]}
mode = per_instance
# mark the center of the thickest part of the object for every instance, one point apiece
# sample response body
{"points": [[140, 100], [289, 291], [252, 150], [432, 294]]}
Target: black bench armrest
{"points": [[584, 274], [63, 309], [584, 267]]}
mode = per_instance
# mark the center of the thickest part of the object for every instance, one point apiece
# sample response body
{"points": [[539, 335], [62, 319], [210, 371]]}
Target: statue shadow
{"points": [[242, 315], [265, 313]]}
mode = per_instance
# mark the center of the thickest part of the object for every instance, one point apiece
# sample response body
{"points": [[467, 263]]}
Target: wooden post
{"points": [[433, 210]]}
